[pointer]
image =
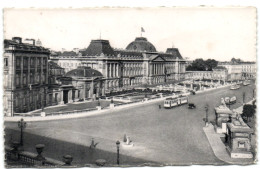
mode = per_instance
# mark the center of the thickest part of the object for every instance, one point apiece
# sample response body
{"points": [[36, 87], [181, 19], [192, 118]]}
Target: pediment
{"points": [[157, 58]]}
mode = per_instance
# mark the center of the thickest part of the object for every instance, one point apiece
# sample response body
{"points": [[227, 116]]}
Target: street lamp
{"points": [[117, 146], [244, 97], [21, 125], [206, 109]]}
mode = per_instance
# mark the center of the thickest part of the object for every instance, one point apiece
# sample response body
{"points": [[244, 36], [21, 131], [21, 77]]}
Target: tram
{"points": [[173, 102]]}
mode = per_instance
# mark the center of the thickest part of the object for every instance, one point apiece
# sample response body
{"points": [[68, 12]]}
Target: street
{"points": [[160, 136]]}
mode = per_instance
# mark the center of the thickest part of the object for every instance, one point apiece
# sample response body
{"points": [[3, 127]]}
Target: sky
{"points": [[201, 32]]}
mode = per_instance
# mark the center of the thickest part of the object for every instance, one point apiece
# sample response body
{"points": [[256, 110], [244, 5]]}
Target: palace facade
{"points": [[139, 64]]}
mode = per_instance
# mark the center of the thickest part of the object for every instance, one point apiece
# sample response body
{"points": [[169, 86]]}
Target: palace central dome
{"points": [[141, 44]]}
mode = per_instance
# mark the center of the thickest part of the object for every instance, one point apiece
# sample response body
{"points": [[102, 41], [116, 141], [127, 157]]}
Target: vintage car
{"points": [[191, 106]]}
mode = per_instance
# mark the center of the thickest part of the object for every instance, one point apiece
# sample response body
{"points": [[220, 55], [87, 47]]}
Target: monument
{"points": [[239, 138], [223, 115]]}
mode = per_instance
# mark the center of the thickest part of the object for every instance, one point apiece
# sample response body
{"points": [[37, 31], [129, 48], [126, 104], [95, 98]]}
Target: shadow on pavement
{"points": [[82, 155]]}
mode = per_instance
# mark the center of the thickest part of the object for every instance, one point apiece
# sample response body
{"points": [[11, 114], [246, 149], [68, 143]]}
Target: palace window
{"points": [[18, 62], [25, 62], [5, 62], [32, 62], [24, 79], [31, 78], [16, 101], [17, 79]]}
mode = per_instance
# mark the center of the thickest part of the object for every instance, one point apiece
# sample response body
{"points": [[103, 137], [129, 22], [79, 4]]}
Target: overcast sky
{"points": [[216, 33]]}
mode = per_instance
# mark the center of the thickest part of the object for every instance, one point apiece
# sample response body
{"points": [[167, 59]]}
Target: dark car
{"points": [[191, 106]]}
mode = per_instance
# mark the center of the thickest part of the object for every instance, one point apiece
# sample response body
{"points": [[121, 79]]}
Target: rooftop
{"points": [[141, 44], [83, 71], [17, 44]]}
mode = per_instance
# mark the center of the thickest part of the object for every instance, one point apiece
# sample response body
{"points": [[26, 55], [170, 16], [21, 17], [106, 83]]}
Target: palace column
{"points": [[21, 74]]}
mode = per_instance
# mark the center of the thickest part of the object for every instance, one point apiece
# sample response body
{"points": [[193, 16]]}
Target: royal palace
{"points": [[36, 78]]}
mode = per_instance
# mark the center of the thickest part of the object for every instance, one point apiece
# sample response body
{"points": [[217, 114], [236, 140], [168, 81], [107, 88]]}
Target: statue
{"points": [[223, 102]]}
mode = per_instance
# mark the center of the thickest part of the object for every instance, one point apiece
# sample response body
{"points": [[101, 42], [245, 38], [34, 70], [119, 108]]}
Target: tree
{"points": [[210, 64], [248, 111], [197, 65], [234, 60], [201, 65]]}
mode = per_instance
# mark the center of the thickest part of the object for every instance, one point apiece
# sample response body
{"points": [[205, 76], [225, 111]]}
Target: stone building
{"points": [[25, 76], [136, 65], [240, 70], [54, 92], [217, 73], [81, 83]]}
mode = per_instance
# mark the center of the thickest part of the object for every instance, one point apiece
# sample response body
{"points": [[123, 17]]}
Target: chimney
{"points": [[17, 39], [33, 41]]}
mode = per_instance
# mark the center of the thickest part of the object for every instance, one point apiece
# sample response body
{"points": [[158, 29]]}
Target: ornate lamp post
{"points": [[21, 125], [117, 146]]}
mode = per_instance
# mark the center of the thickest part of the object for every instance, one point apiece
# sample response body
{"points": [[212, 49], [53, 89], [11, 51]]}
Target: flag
{"points": [[142, 29]]}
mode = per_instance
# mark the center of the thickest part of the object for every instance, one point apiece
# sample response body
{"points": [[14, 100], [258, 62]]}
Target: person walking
{"points": [[159, 106]]}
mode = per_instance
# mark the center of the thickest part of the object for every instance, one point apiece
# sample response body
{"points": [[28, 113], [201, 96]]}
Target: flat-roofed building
{"points": [[25, 76]]}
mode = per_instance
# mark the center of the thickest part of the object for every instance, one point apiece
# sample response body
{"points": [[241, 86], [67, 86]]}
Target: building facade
{"points": [[218, 73], [240, 70], [137, 65], [25, 76]]}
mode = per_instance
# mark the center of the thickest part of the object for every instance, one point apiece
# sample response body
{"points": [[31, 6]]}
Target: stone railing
{"points": [[32, 159]]}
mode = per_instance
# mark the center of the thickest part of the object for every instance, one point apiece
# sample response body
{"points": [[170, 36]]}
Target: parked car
{"points": [[191, 106]]}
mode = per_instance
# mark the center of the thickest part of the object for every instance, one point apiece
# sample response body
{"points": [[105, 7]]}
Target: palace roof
{"points": [[83, 71], [98, 47], [142, 45]]}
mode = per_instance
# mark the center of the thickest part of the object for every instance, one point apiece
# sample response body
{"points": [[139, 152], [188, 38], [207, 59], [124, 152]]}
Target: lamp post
{"points": [[117, 146], [206, 110], [244, 97], [21, 125]]}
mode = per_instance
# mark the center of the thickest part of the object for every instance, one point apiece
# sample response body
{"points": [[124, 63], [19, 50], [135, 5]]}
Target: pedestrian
{"points": [[159, 106]]}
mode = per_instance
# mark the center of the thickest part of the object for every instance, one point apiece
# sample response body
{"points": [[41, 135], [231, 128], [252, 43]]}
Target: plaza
{"points": [[160, 136]]}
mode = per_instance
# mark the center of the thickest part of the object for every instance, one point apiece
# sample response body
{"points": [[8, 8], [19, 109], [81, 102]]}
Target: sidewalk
{"points": [[219, 148]]}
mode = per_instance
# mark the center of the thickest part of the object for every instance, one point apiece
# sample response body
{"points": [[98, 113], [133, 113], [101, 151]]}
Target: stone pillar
{"points": [[70, 96], [21, 80], [111, 69], [29, 70], [61, 97], [41, 73]]}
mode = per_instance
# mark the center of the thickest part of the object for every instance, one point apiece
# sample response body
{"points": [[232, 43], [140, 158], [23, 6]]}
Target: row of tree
{"points": [[202, 65]]}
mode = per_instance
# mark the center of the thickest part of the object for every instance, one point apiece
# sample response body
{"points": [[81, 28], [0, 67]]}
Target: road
{"points": [[160, 136]]}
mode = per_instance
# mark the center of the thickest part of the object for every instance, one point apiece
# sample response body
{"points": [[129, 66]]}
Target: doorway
{"points": [[65, 96]]}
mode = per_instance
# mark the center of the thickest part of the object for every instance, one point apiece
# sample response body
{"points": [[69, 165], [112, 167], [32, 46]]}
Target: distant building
{"points": [[25, 76], [240, 70], [137, 65], [218, 73]]}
